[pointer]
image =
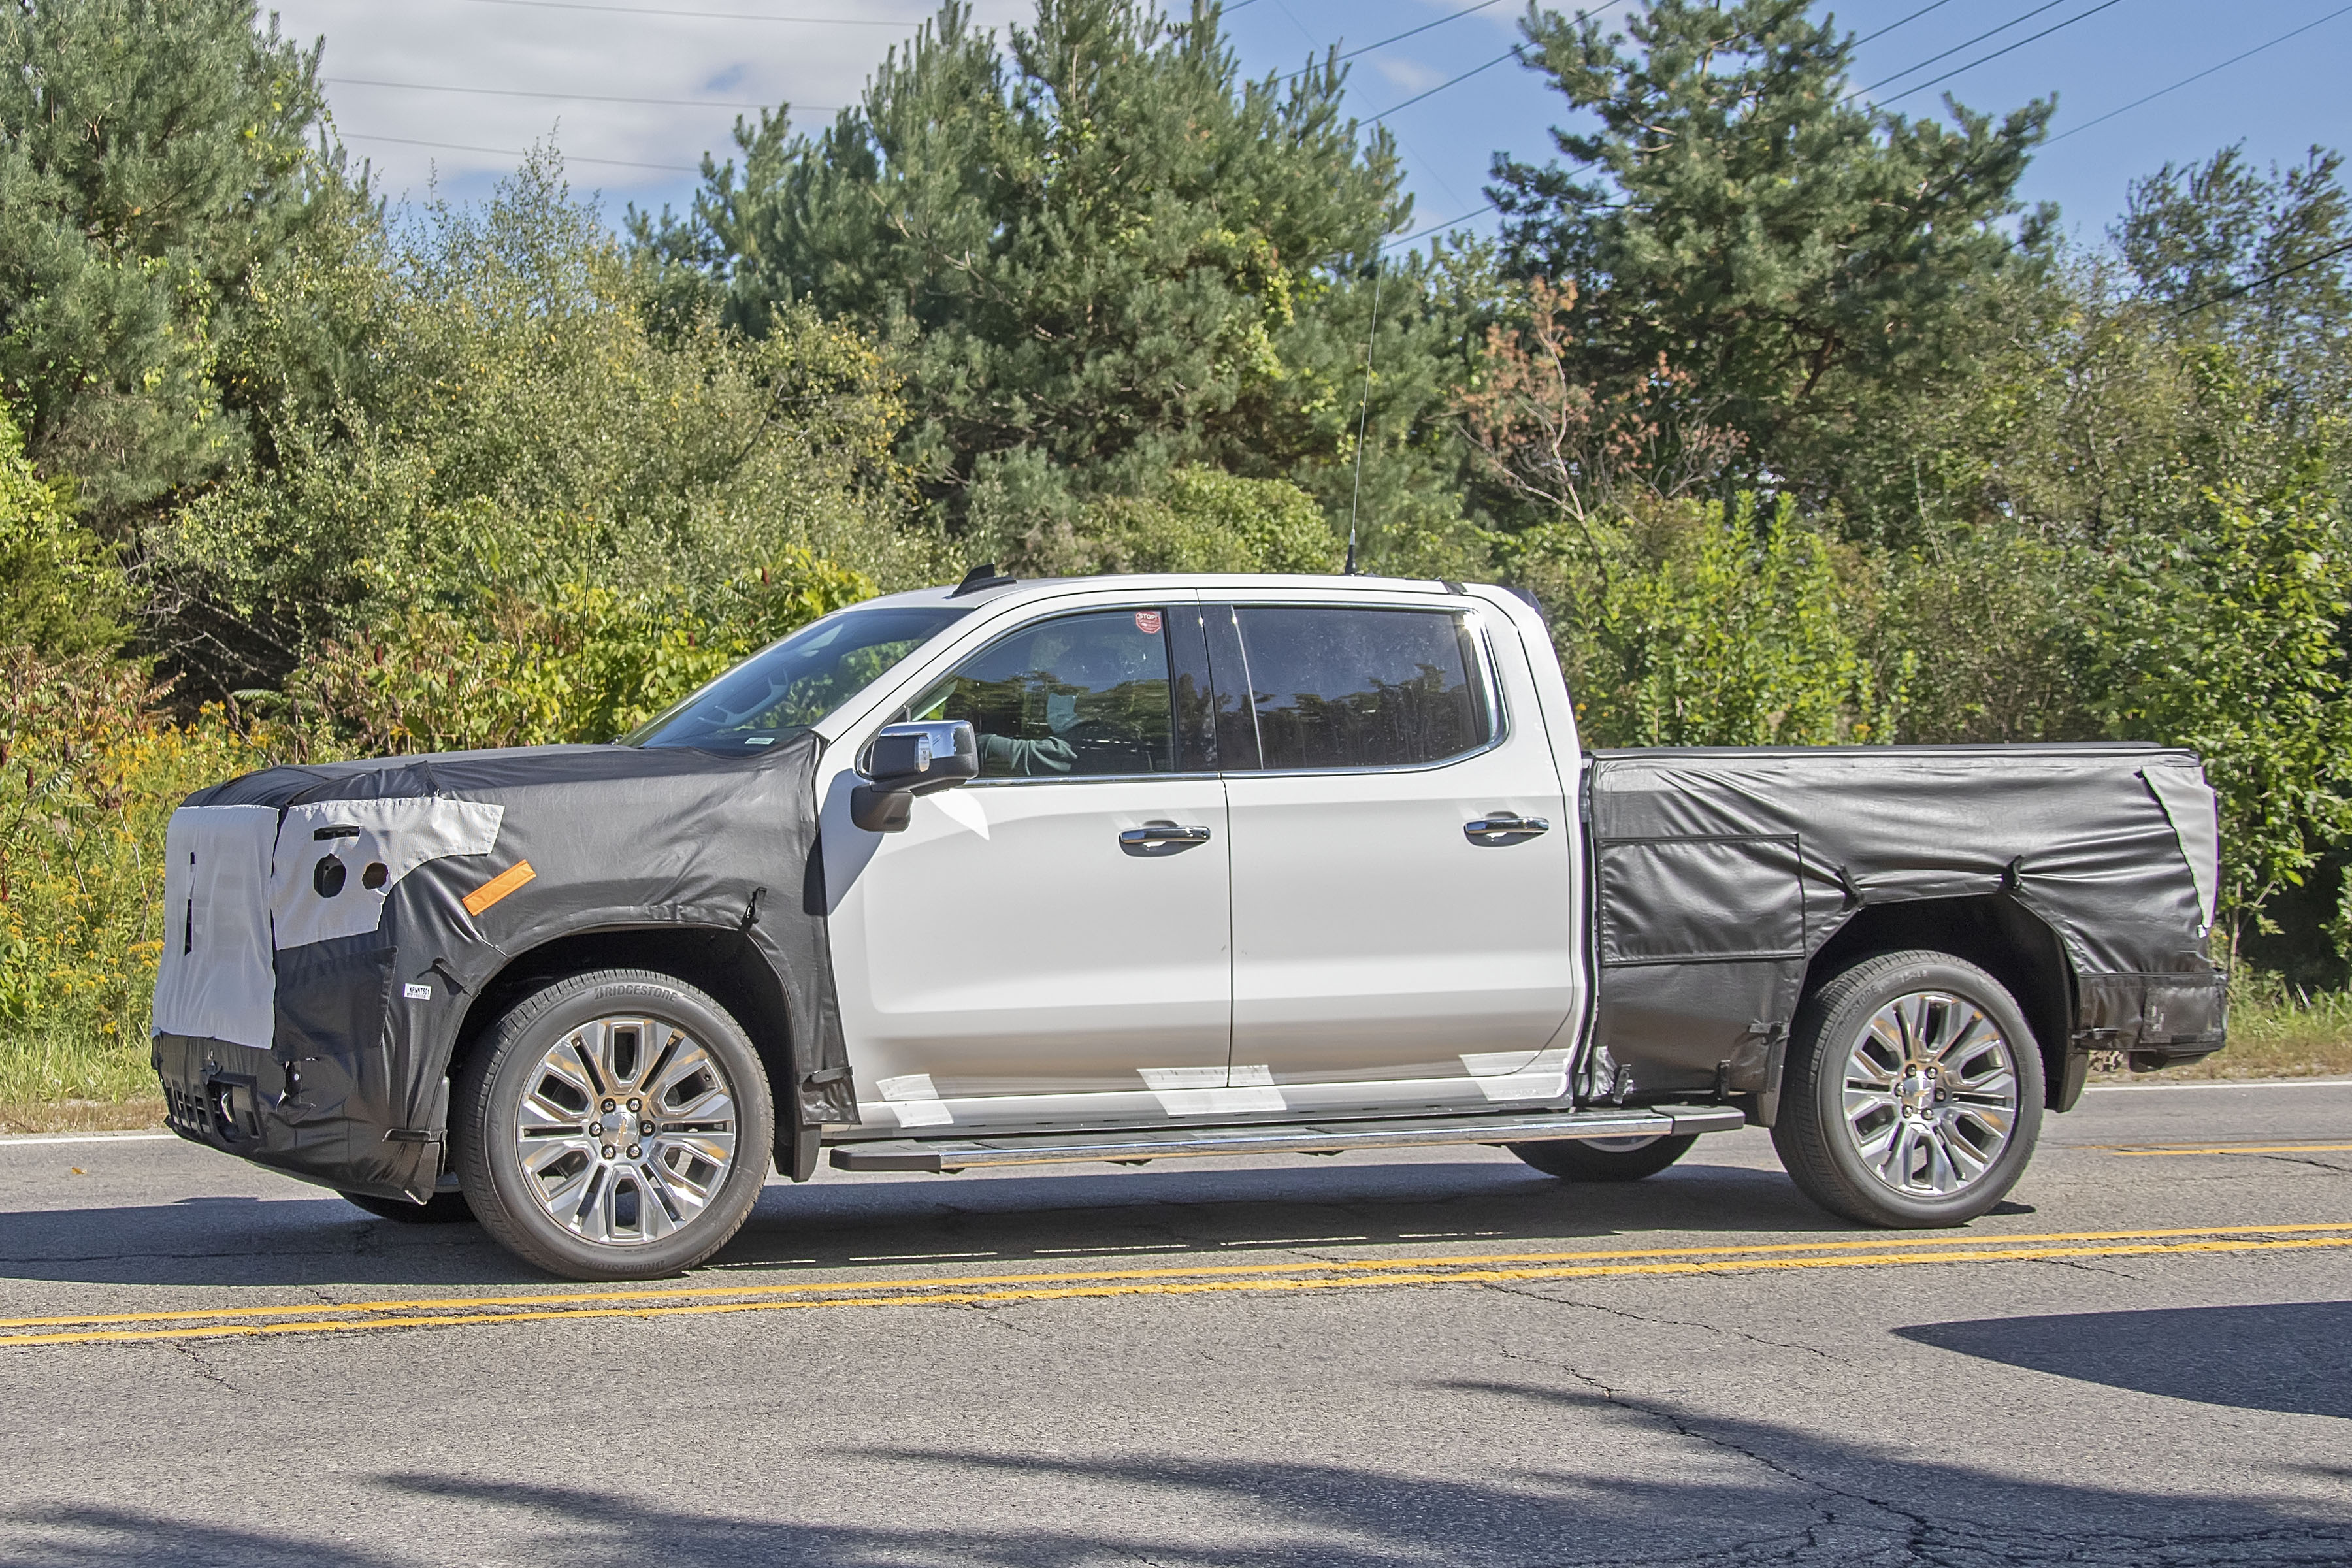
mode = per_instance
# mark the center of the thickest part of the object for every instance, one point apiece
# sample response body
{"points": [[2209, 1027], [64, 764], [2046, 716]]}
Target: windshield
{"points": [[797, 681]]}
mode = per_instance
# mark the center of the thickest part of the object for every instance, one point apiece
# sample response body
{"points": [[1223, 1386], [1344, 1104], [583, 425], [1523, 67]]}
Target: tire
{"points": [[623, 1202], [442, 1208], [1604, 1159], [1912, 1093]]}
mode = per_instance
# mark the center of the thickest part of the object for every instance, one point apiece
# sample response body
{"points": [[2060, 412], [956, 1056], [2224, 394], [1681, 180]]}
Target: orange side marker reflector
{"points": [[499, 887]]}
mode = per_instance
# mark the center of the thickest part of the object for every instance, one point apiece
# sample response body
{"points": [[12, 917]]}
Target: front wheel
{"points": [[1604, 1159], [1912, 1093], [615, 1125]]}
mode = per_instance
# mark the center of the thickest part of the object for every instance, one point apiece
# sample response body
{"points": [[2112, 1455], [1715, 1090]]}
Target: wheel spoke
{"points": [[1873, 1146], [1973, 1027], [1967, 1164]]}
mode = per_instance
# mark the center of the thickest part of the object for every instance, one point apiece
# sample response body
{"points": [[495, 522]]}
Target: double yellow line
{"points": [[992, 1289]]}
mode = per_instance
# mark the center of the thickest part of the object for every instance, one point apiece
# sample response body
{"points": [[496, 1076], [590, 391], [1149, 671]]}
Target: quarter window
{"points": [[1337, 688], [1076, 696]]}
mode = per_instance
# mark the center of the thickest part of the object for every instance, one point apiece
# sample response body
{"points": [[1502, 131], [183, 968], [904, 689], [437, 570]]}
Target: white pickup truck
{"points": [[1143, 867]]}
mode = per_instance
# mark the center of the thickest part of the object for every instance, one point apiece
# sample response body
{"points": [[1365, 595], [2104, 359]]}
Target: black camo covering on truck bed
{"points": [[1719, 874], [351, 1090]]}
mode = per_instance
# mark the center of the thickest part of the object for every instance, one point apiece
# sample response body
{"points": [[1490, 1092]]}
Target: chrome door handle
{"points": [[1164, 833], [1502, 824]]}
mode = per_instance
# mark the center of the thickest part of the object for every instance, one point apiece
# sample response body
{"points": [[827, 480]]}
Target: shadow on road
{"points": [[1058, 1219], [1721, 1493], [2295, 1358]]}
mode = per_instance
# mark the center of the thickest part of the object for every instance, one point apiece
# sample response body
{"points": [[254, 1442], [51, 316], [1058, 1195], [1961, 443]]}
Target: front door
{"points": [[1049, 943], [1401, 927]]}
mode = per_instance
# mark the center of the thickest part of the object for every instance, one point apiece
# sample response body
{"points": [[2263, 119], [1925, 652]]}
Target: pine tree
{"points": [[156, 160], [1104, 257], [1744, 214]]}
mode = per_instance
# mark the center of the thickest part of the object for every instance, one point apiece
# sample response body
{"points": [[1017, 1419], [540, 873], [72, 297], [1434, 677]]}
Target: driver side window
{"points": [[1082, 695]]}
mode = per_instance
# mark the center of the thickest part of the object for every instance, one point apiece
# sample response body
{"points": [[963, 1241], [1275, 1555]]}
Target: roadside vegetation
{"points": [[1802, 426]]}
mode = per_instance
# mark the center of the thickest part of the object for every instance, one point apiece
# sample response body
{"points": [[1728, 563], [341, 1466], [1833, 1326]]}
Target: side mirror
{"points": [[909, 760]]}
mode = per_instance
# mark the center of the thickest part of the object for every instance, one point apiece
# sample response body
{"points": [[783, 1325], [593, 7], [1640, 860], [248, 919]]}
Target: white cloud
{"points": [[1408, 74], [632, 150]]}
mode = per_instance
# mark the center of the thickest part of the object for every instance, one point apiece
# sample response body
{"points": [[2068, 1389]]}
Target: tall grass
{"points": [[2277, 1030], [89, 775]]}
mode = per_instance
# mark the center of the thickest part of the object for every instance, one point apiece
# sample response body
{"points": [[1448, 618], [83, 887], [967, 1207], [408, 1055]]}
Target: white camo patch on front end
{"points": [[243, 883]]}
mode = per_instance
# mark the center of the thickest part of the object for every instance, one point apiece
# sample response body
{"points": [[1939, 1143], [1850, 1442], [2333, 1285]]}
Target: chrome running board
{"points": [[1327, 1137]]}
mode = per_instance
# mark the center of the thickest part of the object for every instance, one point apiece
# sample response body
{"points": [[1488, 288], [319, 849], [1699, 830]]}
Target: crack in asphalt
{"points": [[1926, 1542], [1723, 1330], [2080, 1267], [2331, 1167], [205, 1369]]}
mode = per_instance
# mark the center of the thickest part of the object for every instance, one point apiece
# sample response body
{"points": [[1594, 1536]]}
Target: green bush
{"points": [[61, 590], [586, 663], [1688, 625], [1198, 520], [514, 429]]}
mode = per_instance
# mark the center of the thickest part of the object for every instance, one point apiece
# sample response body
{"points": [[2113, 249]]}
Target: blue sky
{"points": [[533, 70]]}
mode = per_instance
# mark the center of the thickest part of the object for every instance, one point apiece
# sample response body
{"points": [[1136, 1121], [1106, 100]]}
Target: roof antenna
{"points": [[1363, 413]]}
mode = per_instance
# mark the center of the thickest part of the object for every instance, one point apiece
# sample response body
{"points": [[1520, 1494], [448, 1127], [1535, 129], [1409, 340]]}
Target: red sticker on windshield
{"points": [[1147, 622]]}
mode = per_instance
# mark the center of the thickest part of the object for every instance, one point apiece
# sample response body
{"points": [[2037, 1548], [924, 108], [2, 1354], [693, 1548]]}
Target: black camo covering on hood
{"points": [[352, 1092]]}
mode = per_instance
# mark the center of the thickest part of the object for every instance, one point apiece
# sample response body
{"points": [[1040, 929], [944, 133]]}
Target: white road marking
{"points": [[19, 1141], [2220, 1083]]}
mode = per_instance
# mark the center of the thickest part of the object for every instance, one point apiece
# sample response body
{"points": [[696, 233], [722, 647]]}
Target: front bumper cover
{"points": [[311, 1119]]}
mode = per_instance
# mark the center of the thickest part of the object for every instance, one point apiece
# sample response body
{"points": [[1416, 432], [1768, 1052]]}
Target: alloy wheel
{"points": [[1930, 1094], [626, 1130]]}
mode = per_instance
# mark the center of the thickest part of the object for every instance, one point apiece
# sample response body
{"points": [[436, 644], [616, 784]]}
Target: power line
{"points": [[2200, 75], [1449, 223], [2011, 48], [2330, 254], [512, 151], [1508, 54], [1956, 49], [1409, 31], [1890, 27], [568, 97]]}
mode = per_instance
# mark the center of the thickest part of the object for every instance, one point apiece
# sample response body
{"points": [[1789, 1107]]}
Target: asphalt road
{"points": [[1369, 1361]]}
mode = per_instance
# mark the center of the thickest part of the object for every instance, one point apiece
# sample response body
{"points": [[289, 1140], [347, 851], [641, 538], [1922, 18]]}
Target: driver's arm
{"points": [[1004, 755]]}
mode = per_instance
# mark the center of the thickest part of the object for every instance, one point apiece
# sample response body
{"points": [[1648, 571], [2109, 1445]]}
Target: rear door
{"points": [[1402, 866]]}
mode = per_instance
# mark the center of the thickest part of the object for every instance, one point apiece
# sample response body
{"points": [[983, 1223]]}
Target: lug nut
{"points": [[610, 1106], [632, 1150], [647, 1128], [608, 1150], [636, 1105], [595, 1129]]}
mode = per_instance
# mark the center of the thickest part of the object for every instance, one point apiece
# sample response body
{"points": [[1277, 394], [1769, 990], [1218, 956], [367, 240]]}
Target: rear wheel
{"points": [[615, 1125], [1912, 1095], [1604, 1159]]}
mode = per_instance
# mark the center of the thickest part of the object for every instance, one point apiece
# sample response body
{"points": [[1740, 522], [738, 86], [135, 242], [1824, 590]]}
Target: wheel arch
{"points": [[721, 960], [1999, 935]]}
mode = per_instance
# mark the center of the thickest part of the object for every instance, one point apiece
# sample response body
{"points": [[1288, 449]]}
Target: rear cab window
{"points": [[1348, 687]]}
